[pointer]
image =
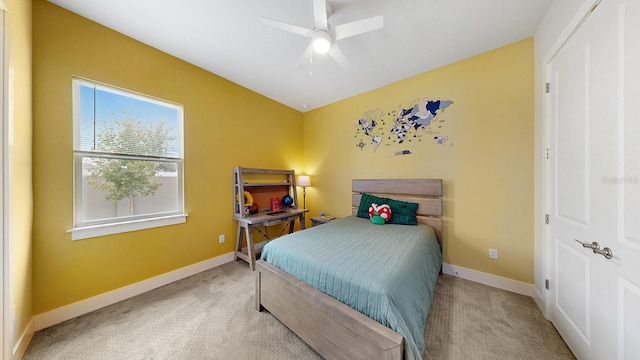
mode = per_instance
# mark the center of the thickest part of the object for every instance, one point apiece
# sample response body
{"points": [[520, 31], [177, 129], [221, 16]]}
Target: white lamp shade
{"points": [[304, 180], [321, 42]]}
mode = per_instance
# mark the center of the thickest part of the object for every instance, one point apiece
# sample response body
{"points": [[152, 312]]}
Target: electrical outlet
{"points": [[493, 254], [221, 238]]}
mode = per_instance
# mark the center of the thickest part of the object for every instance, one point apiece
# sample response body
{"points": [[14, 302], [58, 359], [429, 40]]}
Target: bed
{"points": [[321, 282]]}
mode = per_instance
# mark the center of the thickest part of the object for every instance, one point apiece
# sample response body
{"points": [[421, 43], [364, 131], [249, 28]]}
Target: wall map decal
{"points": [[408, 125]]}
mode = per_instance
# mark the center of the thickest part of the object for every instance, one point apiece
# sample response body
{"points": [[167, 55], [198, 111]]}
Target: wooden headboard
{"points": [[426, 192]]}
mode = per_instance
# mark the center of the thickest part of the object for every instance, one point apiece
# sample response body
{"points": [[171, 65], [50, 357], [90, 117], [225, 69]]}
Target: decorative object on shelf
{"points": [[304, 181], [248, 199], [248, 202], [275, 204], [287, 201], [253, 209]]}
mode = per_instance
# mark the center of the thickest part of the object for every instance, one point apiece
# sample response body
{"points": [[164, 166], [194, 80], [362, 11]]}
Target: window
{"points": [[128, 161]]}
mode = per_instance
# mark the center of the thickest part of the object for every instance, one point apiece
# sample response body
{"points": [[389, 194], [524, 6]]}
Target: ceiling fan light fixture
{"points": [[321, 42]]}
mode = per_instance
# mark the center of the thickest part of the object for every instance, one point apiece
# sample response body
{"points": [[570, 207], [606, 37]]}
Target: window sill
{"points": [[87, 232]]}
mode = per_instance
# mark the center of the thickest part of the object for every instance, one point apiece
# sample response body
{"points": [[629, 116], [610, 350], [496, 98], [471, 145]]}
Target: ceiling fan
{"points": [[323, 36]]}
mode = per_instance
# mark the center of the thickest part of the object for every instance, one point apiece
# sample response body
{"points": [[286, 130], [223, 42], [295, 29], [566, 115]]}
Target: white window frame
{"points": [[89, 229]]}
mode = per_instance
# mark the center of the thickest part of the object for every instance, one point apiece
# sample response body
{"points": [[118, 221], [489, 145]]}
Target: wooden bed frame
{"points": [[333, 329]]}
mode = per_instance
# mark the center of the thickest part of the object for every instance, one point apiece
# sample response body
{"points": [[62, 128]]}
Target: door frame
{"points": [[6, 332], [580, 16]]}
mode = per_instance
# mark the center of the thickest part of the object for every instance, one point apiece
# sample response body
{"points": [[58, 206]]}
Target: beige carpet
{"points": [[211, 315], [474, 321]]}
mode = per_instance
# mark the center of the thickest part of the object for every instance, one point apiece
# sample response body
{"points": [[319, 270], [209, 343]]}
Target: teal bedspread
{"points": [[387, 272]]}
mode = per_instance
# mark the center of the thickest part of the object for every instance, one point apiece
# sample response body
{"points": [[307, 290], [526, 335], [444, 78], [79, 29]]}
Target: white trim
{"points": [[6, 318], [576, 21], [495, 281], [540, 299], [87, 232], [64, 313], [82, 307], [23, 342]]}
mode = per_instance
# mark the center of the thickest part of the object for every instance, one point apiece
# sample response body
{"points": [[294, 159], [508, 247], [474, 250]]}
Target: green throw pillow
{"points": [[404, 213], [365, 202]]}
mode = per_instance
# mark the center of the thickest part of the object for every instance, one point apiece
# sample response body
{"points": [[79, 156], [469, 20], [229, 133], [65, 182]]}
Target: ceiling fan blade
{"points": [[339, 57], [305, 58], [320, 14], [288, 27], [358, 27]]}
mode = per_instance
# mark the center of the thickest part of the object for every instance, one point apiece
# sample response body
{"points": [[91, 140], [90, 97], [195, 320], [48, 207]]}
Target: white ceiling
{"points": [[227, 37]]}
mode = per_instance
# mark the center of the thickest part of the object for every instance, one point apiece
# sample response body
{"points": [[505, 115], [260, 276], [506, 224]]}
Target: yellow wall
{"points": [[488, 170], [18, 31], [225, 125], [486, 165]]}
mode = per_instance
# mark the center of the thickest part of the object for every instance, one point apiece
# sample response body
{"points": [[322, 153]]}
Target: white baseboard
{"points": [[495, 281], [540, 301], [82, 307], [20, 347]]}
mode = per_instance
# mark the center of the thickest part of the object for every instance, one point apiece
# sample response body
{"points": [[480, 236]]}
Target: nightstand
{"points": [[319, 220]]}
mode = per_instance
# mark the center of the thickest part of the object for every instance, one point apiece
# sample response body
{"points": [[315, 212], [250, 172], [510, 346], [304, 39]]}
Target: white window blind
{"points": [[128, 160]]}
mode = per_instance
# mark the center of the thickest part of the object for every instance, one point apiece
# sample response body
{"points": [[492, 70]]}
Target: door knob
{"points": [[593, 246], [606, 252]]}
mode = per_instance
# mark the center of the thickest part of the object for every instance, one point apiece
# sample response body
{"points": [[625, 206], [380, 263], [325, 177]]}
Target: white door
{"points": [[594, 184]]}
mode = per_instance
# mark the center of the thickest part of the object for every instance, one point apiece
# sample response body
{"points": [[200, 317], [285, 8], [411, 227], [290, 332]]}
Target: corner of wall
{"points": [[18, 191]]}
